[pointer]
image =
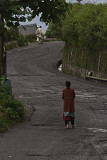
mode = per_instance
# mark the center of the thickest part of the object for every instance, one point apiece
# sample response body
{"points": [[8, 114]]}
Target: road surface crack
{"points": [[33, 110]]}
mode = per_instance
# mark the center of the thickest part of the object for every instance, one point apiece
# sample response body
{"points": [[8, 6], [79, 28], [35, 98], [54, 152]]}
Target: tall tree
{"points": [[13, 11]]}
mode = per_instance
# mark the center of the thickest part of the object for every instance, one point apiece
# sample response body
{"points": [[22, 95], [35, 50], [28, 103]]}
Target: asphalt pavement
{"points": [[38, 84]]}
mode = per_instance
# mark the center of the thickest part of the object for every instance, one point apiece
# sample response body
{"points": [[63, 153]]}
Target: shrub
{"points": [[12, 35], [22, 41], [31, 38], [11, 110], [4, 121]]}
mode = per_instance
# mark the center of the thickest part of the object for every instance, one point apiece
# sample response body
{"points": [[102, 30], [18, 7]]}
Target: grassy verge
{"points": [[11, 110]]}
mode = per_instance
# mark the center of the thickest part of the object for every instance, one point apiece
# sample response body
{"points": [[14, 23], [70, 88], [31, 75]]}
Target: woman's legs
{"points": [[71, 119], [72, 122], [67, 124]]}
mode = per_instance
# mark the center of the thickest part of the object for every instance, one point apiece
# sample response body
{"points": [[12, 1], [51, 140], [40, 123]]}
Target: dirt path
{"points": [[38, 84]]}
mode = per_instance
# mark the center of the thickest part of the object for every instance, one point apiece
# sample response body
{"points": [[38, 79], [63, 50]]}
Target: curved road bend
{"points": [[38, 84]]}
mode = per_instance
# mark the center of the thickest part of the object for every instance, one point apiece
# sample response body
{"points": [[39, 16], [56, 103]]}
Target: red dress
{"points": [[68, 96]]}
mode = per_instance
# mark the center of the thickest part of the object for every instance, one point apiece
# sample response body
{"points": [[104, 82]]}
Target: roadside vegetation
{"points": [[13, 39], [84, 30], [11, 110]]}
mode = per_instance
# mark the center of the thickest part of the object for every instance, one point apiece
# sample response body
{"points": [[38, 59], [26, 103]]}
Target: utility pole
{"points": [[2, 53], [5, 82], [1, 49]]}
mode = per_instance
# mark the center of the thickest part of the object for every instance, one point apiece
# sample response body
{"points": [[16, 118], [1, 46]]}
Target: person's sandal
{"points": [[67, 126]]}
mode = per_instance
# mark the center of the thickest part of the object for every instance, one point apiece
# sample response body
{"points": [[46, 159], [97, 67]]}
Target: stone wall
{"points": [[26, 30], [68, 68]]}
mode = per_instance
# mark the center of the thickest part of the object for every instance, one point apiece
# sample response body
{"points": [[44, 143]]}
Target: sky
{"points": [[88, 1], [44, 26], [38, 22]]}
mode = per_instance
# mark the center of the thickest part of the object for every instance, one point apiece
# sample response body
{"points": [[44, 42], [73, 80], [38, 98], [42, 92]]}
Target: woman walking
{"points": [[68, 96]]}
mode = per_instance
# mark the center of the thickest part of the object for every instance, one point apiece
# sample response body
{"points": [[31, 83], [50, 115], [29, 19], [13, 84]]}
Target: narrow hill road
{"points": [[38, 84]]}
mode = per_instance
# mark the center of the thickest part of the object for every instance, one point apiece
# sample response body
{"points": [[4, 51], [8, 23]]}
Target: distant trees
{"points": [[54, 30]]}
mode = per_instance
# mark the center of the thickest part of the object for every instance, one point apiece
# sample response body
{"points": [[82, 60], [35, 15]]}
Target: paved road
{"points": [[38, 84]]}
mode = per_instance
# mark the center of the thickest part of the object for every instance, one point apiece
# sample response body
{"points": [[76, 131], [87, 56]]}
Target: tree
{"points": [[79, 1], [85, 34], [14, 11], [54, 29]]}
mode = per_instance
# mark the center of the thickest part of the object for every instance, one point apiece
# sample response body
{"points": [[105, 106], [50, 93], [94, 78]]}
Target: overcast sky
{"points": [[88, 1], [44, 27]]}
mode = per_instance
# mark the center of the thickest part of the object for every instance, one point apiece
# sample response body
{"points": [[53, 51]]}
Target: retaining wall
{"points": [[81, 72]]}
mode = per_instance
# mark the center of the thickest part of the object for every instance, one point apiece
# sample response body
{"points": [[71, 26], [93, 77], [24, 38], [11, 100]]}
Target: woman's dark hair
{"points": [[68, 84]]}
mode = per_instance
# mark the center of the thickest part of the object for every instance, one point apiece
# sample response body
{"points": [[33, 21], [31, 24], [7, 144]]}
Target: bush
{"points": [[11, 110], [31, 38], [22, 41], [12, 35], [4, 120]]}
